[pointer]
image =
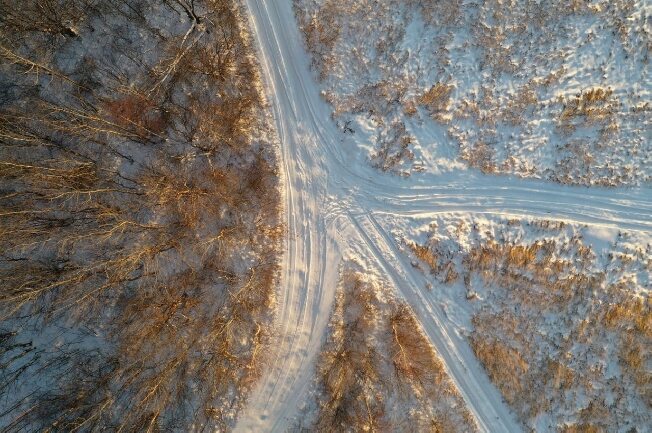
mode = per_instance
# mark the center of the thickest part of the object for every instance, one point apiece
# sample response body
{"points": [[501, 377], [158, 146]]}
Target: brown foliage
{"points": [[582, 428], [426, 255], [349, 366], [137, 112], [376, 363], [321, 33], [505, 365], [592, 106], [413, 358], [48, 16], [437, 100]]}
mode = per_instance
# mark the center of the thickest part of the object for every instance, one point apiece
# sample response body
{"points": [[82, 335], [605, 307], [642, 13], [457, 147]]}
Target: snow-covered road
{"points": [[332, 198]]}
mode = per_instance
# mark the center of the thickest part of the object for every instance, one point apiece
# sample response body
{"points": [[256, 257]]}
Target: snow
{"points": [[337, 206], [513, 66], [618, 261]]}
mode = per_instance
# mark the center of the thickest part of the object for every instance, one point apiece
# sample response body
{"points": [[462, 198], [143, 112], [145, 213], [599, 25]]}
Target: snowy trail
{"points": [[331, 198]]}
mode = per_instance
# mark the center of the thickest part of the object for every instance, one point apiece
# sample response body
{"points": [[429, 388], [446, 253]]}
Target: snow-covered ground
{"points": [[338, 207], [559, 314], [556, 90]]}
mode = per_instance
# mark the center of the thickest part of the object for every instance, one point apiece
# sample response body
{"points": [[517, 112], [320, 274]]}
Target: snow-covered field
{"points": [[559, 314], [556, 90], [339, 208]]}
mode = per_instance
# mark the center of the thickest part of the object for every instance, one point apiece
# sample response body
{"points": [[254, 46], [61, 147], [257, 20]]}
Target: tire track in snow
{"points": [[304, 283]]}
